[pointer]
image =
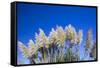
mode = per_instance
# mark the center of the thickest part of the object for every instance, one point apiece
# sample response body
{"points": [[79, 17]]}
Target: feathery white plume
{"points": [[23, 49]]}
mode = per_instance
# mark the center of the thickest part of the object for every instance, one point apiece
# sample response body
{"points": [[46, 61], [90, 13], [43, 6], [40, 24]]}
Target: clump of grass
{"points": [[62, 45]]}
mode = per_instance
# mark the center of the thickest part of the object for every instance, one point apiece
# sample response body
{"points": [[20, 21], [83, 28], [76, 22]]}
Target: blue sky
{"points": [[31, 17]]}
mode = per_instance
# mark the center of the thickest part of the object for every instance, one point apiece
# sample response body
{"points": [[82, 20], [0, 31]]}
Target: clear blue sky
{"points": [[31, 17]]}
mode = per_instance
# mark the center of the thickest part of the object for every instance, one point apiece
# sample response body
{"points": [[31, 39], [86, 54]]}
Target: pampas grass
{"points": [[62, 45]]}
